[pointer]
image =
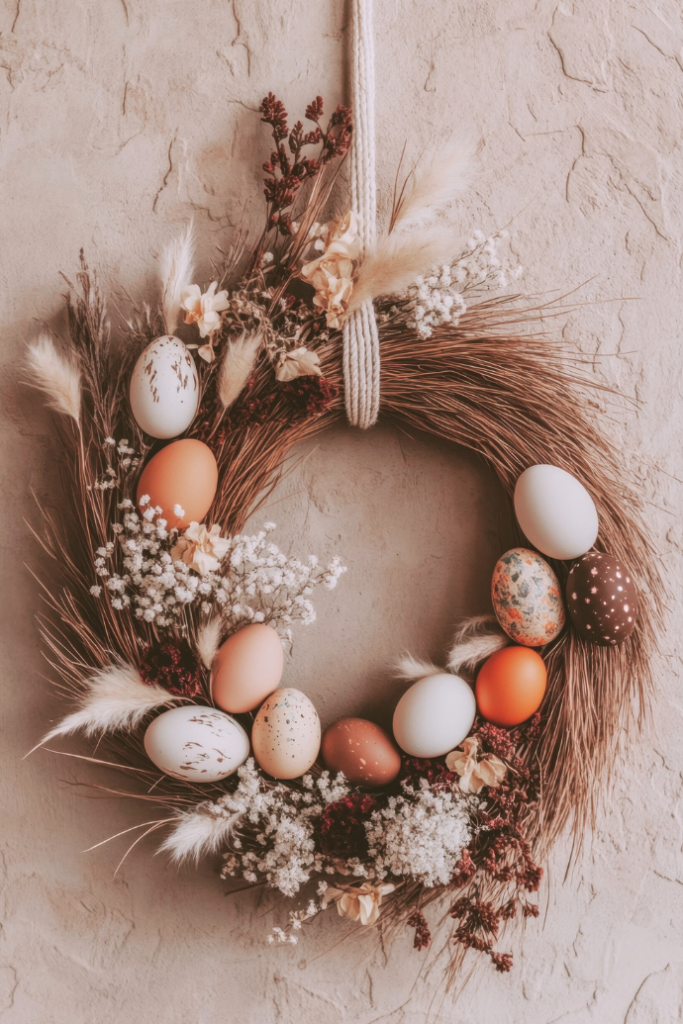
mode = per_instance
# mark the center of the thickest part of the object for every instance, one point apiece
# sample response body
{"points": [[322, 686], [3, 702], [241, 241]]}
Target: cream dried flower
{"points": [[298, 363], [204, 311], [474, 774], [332, 273], [200, 548], [359, 903]]}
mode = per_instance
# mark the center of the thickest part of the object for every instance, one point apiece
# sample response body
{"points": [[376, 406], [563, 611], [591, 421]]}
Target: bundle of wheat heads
{"points": [[165, 626]]}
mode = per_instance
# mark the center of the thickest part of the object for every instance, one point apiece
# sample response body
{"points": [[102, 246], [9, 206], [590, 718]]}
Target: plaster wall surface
{"points": [[119, 120]]}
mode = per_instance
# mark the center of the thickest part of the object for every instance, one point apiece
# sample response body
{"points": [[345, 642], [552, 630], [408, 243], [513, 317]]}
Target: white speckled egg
{"points": [[196, 743], [434, 715], [164, 388], [555, 512], [286, 734]]}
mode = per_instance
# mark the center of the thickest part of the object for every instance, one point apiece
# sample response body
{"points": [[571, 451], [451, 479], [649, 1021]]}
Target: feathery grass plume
{"points": [[115, 698], [476, 638], [237, 365], [198, 832], [56, 375], [409, 668], [208, 639], [439, 178], [398, 259], [177, 269]]}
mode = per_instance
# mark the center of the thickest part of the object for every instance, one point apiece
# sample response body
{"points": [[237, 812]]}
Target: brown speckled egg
{"points": [[602, 599], [286, 734], [527, 598], [363, 751]]}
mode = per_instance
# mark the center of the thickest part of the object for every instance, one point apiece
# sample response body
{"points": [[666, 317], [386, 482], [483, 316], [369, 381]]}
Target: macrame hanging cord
{"points": [[361, 339]]}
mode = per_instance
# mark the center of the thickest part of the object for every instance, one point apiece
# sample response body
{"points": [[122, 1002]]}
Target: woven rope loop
{"points": [[361, 339]]}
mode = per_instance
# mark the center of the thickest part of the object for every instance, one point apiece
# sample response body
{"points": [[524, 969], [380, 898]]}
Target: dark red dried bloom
{"points": [[496, 740], [423, 936], [529, 877], [174, 666], [309, 396], [273, 113], [501, 961], [341, 828], [435, 772], [465, 869], [314, 110], [530, 910]]}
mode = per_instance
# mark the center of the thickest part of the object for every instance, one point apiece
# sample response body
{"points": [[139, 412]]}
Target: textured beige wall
{"points": [[118, 120]]}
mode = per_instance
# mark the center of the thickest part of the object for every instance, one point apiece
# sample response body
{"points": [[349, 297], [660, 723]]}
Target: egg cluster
{"points": [[437, 712]]}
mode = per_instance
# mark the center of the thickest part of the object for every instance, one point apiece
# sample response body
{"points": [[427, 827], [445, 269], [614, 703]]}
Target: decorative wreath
{"points": [[167, 626]]}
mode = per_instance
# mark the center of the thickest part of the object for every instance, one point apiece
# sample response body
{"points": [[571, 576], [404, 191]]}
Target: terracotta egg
{"points": [[511, 685], [164, 388], [434, 715], [286, 734], [526, 598], [602, 599], [247, 668], [183, 473], [363, 751], [555, 512], [196, 744]]}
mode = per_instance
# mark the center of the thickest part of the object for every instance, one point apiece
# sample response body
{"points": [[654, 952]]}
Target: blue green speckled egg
{"points": [[527, 598]]}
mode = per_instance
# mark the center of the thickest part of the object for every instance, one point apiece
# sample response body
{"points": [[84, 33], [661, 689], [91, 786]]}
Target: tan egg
{"points": [[247, 668], [286, 734], [363, 751], [183, 473]]}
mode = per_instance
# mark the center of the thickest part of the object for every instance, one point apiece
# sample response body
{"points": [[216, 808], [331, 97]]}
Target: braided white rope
{"points": [[361, 340]]}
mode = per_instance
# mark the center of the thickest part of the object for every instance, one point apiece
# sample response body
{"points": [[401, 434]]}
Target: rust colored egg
{"points": [[363, 751], [511, 685], [183, 474]]}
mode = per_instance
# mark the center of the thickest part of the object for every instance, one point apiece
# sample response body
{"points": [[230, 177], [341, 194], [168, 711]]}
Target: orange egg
{"points": [[511, 685], [361, 750], [184, 473], [247, 668]]}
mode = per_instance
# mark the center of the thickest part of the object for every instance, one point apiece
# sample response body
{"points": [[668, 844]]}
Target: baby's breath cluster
{"points": [[253, 582], [437, 298], [420, 834]]}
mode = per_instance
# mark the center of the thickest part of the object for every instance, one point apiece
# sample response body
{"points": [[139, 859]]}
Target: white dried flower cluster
{"points": [[255, 581], [281, 848], [127, 459], [421, 834], [437, 298]]}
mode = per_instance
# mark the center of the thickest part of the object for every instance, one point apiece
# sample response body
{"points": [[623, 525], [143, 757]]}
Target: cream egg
{"points": [[434, 715], [196, 744], [556, 512], [286, 734], [247, 668], [164, 388]]}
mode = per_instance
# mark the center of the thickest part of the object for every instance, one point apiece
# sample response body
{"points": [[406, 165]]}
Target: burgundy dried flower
{"points": [[501, 961], [435, 772], [174, 666], [423, 936], [341, 829]]}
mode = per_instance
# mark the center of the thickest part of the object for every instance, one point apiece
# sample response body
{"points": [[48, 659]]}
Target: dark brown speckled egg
{"points": [[602, 599]]}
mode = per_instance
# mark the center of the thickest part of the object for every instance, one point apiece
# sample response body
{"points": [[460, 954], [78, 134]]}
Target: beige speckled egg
{"points": [[164, 388], [286, 734], [526, 597]]}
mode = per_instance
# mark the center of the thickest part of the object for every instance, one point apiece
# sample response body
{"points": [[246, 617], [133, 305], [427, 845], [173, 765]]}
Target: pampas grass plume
{"points": [[236, 366], [115, 698], [477, 638], [177, 269], [439, 178], [208, 639], [398, 259], [198, 832], [410, 668], [56, 375]]}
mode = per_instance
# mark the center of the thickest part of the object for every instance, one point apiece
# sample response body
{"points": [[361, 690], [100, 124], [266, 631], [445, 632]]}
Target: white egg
{"points": [[434, 715], [164, 388], [196, 743], [555, 512]]}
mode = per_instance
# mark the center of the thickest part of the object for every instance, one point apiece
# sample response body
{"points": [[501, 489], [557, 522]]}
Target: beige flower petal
{"points": [[299, 363]]}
